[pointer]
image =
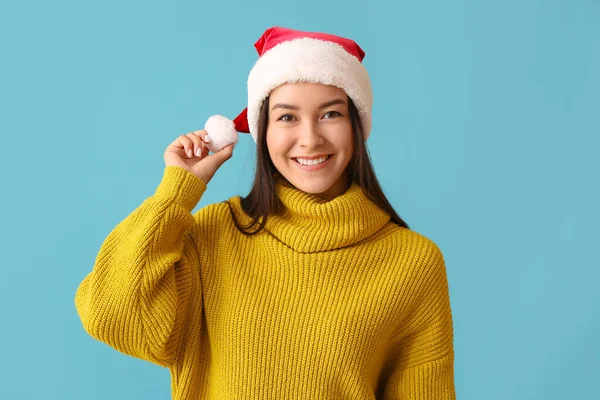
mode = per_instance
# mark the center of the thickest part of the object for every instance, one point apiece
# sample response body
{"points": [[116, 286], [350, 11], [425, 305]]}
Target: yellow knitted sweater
{"points": [[330, 301]]}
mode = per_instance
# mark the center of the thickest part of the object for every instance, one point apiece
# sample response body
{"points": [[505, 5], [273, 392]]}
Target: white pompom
{"points": [[221, 131]]}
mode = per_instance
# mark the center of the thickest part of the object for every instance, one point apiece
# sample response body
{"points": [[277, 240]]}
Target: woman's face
{"points": [[309, 137]]}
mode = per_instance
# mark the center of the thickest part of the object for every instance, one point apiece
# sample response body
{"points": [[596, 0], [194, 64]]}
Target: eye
{"points": [[332, 114], [286, 118]]}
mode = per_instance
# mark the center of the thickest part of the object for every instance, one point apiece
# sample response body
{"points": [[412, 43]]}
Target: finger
{"points": [[180, 144], [218, 158], [177, 142], [203, 135], [205, 151], [187, 144], [197, 144]]}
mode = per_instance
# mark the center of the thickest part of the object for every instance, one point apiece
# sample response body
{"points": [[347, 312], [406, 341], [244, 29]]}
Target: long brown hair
{"points": [[262, 199]]}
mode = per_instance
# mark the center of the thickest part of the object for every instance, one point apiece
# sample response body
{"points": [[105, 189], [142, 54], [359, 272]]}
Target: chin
{"points": [[315, 188]]}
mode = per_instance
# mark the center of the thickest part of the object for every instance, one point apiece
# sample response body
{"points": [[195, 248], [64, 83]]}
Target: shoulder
{"points": [[220, 217], [415, 251], [411, 240], [211, 212], [216, 214]]}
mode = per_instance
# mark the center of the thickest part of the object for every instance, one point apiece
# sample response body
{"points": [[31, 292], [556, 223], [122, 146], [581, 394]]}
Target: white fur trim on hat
{"points": [[314, 61]]}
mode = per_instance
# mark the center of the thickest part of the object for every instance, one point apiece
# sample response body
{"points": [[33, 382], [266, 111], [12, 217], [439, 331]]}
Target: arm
{"points": [[137, 294], [422, 366]]}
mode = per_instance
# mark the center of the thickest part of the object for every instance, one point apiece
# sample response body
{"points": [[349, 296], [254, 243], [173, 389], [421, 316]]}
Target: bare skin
{"points": [[189, 151]]}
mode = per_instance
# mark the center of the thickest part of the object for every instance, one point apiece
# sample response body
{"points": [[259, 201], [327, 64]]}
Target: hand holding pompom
{"points": [[191, 151]]}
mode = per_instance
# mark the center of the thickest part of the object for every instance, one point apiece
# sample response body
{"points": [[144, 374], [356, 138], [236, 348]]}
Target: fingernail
{"points": [[207, 139], [198, 150], [189, 152]]}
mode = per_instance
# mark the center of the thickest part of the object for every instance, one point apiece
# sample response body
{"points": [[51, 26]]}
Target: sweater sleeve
{"points": [[134, 298], [422, 366]]}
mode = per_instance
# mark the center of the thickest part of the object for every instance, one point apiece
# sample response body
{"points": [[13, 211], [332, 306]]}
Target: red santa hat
{"points": [[290, 56]]}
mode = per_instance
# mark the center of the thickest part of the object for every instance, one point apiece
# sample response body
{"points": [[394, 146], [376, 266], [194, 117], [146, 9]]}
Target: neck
{"points": [[311, 223]]}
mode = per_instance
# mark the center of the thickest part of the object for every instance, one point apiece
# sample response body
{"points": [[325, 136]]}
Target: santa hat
{"points": [[289, 56]]}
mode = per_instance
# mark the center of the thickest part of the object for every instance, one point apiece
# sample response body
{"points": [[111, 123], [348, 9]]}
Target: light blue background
{"points": [[485, 138]]}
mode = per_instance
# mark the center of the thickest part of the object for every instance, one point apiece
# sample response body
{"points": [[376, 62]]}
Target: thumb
{"points": [[217, 159]]}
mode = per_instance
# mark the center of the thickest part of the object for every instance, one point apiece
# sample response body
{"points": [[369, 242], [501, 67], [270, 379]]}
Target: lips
{"points": [[312, 161], [314, 167]]}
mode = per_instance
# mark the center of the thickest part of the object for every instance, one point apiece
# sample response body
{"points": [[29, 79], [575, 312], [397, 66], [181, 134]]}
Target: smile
{"points": [[315, 164], [309, 162]]}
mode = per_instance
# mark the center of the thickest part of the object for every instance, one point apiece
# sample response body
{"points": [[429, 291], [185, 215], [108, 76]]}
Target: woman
{"points": [[311, 286]]}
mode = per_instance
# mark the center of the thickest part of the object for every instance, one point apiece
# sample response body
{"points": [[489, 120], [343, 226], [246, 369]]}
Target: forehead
{"points": [[304, 92]]}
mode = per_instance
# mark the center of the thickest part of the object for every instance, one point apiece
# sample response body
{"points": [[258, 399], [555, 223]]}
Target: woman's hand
{"points": [[190, 152]]}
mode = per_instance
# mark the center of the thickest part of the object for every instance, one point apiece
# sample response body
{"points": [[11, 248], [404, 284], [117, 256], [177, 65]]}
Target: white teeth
{"points": [[316, 161]]}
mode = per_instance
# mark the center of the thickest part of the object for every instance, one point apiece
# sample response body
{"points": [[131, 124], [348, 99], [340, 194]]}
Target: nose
{"points": [[310, 136]]}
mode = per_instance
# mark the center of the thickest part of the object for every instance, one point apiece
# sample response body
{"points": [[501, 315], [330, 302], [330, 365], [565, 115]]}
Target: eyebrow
{"points": [[293, 107]]}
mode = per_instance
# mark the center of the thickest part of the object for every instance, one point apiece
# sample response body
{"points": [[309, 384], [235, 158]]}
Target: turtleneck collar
{"points": [[310, 223]]}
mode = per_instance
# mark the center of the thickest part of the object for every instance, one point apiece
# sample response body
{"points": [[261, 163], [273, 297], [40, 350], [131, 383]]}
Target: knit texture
{"points": [[331, 301]]}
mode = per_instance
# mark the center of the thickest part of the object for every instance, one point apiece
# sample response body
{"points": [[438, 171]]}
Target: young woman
{"points": [[310, 287]]}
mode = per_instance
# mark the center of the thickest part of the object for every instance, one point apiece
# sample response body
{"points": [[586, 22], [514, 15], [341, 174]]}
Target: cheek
{"points": [[271, 145], [277, 145], [344, 140]]}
